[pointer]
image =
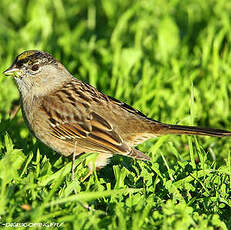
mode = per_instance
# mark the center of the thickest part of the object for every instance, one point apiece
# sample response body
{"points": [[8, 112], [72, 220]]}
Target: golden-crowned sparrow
{"points": [[72, 117]]}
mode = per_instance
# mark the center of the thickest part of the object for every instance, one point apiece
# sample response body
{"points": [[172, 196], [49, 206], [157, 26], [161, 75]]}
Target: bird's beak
{"points": [[12, 71]]}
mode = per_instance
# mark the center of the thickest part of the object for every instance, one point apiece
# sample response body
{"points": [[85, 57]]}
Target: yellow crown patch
{"points": [[26, 54]]}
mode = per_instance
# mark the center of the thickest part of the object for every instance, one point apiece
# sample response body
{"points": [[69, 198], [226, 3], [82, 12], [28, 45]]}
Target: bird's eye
{"points": [[35, 67]]}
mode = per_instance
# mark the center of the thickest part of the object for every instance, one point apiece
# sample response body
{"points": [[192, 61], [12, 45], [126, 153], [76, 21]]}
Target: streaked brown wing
{"points": [[80, 123]]}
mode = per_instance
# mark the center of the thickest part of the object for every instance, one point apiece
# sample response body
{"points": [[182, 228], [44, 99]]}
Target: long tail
{"points": [[193, 130], [159, 129]]}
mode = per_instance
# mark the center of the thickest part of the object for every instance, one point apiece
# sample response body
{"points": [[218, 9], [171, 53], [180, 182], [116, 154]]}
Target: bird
{"points": [[72, 117]]}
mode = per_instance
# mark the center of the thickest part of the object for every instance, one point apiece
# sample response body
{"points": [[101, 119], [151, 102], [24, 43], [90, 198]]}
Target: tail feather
{"points": [[134, 153], [159, 129], [193, 130]]}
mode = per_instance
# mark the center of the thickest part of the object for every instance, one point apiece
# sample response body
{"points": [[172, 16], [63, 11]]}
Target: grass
{"points": [[169, 59]]}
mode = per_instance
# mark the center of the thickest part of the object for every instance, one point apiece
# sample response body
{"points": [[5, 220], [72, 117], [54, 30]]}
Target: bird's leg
{"points": [[73, 168], [89, 174], [73, 178], [91, 167], [73, 162], [100, 161]]}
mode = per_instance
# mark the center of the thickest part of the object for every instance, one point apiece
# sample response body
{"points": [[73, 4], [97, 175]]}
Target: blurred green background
{"points": [[169, 59]]}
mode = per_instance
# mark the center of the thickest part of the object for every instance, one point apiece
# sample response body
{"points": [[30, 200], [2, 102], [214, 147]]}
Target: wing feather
{"points": [[83, 125]]}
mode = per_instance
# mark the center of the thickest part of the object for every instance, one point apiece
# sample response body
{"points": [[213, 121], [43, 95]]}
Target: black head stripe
{"points": [[32, 56]]}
